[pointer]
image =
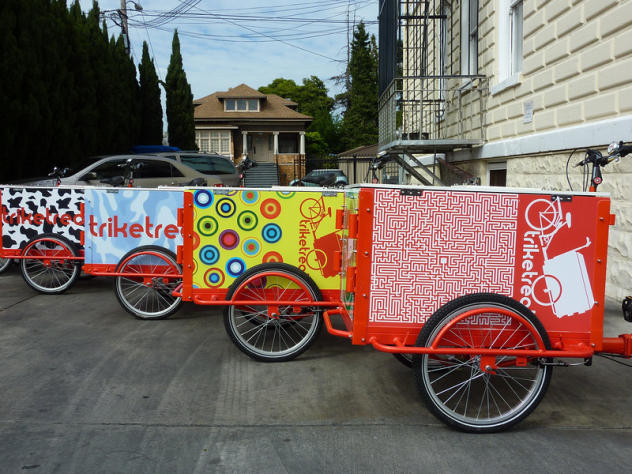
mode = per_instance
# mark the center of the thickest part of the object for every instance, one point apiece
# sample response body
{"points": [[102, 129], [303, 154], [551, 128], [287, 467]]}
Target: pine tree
{"points": [[151, 110], [359, 125], [181, 126]]}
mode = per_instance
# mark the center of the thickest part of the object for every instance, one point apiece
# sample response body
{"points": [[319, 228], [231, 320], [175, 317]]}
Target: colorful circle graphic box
{"points": [[236, 230]]}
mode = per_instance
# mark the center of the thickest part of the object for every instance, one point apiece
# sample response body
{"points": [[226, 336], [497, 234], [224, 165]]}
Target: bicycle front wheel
{"points": [[459, 389], [265, 330]]}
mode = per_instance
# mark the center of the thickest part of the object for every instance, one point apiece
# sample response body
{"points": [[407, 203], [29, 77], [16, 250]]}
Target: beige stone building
{"points": [[502, 91]]}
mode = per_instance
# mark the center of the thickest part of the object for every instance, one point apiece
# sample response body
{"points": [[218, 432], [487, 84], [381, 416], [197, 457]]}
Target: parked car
{"points": [[210, 164], [146, 171], [322, 177]]}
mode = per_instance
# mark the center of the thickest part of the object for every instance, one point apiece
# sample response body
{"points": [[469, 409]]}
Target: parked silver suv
{"points": [[147, 172], [212, 165]]}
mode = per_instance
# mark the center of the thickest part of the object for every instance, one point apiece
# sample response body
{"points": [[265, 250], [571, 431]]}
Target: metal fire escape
{"points": [[430, 101]]}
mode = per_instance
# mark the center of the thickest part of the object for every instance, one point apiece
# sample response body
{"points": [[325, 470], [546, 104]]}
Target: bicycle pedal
{"points": [[626, 306]]}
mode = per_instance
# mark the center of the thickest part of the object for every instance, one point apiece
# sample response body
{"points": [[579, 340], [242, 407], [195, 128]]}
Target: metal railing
{"points": [[433, 112]]}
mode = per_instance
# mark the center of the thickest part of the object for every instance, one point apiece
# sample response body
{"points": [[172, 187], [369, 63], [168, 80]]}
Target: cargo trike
{"points": [[487, 289]]}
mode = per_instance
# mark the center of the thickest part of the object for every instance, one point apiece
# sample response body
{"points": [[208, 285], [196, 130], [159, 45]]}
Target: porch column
{"points": [[276, 143], [244, 143], [302, 143]]}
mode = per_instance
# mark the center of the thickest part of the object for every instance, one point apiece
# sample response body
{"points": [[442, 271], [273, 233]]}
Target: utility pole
{"points": [[124, 28], [122, 13]]}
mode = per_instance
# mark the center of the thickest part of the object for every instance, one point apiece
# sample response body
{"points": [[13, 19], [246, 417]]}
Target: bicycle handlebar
{"points": [[616, 151]]}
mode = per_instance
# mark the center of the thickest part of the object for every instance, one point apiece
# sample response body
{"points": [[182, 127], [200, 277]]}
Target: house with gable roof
{"points": [[244, 122]]}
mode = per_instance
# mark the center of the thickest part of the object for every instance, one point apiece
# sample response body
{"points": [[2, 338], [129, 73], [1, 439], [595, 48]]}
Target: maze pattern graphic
{"points": [[430, 249]]}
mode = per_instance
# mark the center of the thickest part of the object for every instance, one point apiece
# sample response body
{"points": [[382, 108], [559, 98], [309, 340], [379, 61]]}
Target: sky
{"points": [[225, 43]]}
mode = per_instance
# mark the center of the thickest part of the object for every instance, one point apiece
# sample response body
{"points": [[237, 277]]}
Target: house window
{"points": [[469, 37], [241, 105], [213, 141]]}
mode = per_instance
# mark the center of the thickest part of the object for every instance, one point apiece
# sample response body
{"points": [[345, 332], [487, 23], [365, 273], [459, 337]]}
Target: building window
{"points": [[469, 37], [515, 38], [510, 41], [241, 105], [497, 174], [213, 141]]}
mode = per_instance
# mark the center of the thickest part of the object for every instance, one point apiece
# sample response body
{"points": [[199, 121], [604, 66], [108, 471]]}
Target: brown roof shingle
{"points": [[211, 107]]}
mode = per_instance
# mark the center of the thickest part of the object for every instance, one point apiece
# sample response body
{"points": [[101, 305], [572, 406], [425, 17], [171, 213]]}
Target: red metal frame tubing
{"points": [[132, 275], [330, 328], [21, 257], [198, 299], [582, 351], [621, 345]]}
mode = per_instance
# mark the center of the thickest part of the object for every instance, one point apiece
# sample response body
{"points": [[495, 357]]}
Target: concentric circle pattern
{"points": [[272, 257], [203, 199], [286, 194], [225, 207], [271, 233], [209, 254], [251, 247], [250, 196], [235, 267], [270, 208], [207, 226], [229, 239], [214, 277], [247, 220]]}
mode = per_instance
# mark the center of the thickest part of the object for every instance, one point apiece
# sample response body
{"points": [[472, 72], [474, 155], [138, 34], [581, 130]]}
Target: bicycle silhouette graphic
{"points": [[564, 284], [321, 257]]}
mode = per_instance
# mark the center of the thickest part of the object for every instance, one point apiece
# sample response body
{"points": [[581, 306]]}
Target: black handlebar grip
{"points": [[624, 149]]}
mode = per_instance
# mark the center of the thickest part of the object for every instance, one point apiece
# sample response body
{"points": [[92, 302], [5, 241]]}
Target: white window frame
{"points": [[510, 43], [214, 141], [469, 37], [235, 102]]}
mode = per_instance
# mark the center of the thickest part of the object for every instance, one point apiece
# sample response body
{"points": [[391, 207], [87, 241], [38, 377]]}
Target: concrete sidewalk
{"points": [[86, 388]]}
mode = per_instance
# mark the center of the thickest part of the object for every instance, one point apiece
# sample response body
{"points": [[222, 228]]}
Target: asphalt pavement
{"points": [[86, 388]]}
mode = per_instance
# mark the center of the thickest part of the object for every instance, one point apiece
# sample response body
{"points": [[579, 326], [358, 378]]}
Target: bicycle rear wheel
{"points": [[47, 267], [471, 393]]}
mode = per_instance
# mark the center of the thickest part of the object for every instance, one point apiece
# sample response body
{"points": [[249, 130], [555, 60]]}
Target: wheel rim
{"points": [[458, 386], [49, 268], [4, 264], [274, 331], [149, 297]]}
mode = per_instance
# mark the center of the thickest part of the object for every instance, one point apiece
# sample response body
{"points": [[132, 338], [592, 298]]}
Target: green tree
{"points": [[180, 123], [151, 110], [359, 125], [323, 134]]}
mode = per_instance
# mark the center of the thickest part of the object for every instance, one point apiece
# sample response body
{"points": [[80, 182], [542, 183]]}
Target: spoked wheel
{"points": [[4, 264], [482, 393], [146, 291], [47, 268], [268, 331]]}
